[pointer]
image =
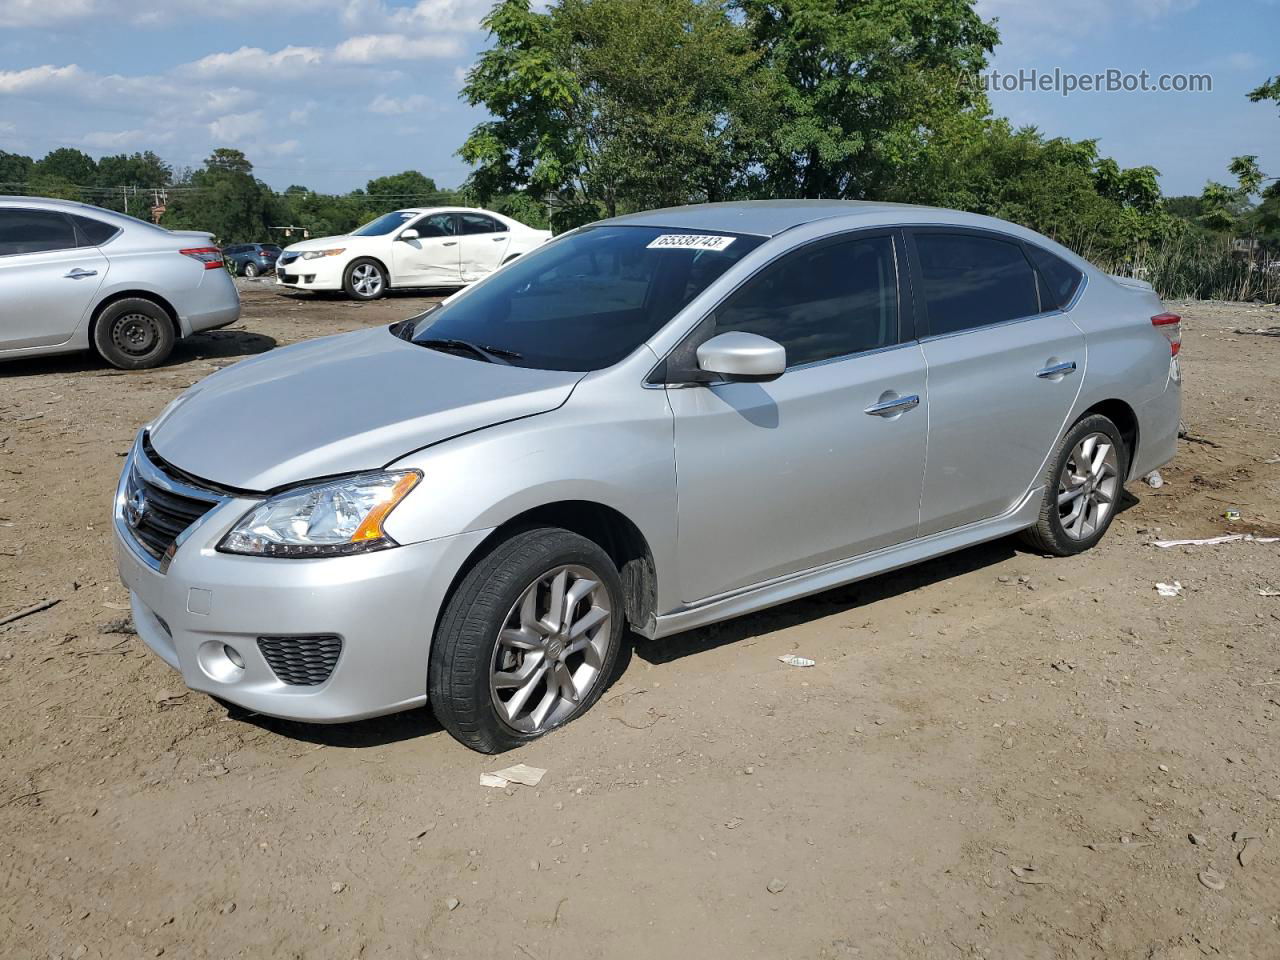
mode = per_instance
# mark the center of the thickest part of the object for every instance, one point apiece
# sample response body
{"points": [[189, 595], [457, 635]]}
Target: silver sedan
{"points": [[652, 423], [75, 277]]}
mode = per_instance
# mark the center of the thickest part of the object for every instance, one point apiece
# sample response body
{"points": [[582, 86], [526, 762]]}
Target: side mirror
{"points": [[743, 357], [409, 234]]}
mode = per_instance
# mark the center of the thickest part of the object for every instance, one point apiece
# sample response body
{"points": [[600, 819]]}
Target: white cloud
{"points": [[39, 78], [122, 139], [282, 148], [414, 103], [256, 61], [378, 47], [425, 15], [234, 127], [1043, 24], [37, 13], [302, 114]]}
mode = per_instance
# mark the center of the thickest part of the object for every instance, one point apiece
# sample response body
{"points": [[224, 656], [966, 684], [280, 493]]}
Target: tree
{"points": [[1270, 90], [70, 165], [862, 88], [403, 189], [223, 198], [603, 105], [15, 169]]}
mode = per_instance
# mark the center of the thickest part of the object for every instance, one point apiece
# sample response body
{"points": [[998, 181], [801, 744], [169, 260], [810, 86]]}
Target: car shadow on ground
{"points": [[381, 731], [212, 345]]}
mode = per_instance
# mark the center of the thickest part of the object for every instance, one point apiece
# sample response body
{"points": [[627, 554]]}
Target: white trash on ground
{"points": [[1154, 480], [520, 773], [791, 660], [1169, 589], [1214, 541]]}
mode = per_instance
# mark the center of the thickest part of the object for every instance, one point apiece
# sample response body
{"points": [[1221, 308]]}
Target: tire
{"points": [[134, 334], [364, 279], [474, 678], [250, 270], [1075, 524]]}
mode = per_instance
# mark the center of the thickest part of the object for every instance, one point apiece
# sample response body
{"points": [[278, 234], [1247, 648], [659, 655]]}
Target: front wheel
{"points": [[364, 280], [1082, 488], [528, 641]]}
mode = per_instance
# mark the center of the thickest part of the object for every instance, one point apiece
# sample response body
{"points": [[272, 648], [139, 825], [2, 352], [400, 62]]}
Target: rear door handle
{"points": [[1057, 370], [449, 243], [78, 274], [498, 239], [889, 408]]}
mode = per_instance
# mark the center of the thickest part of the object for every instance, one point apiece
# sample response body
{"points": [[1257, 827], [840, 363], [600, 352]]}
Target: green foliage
{"points": [[65, 163], [608, 105], [1270, 90], [15, 169], [223, 198], [406, 189]]}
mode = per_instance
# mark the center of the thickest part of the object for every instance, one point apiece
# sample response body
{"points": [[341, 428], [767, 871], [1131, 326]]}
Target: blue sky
{"points": [[328, 93]]}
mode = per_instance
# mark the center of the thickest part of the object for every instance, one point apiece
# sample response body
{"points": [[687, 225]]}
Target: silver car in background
{"points": [[655, 422], [75, 277]]}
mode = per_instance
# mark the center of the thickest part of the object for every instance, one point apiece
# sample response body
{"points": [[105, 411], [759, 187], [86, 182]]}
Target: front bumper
{"points": [[382, 605], [323, 273]]}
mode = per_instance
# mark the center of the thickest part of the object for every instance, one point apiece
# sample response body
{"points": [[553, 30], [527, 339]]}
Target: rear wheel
{"points": [[134, 334], [365, 280], [528, 641], [1082, 488], [250, 269]]}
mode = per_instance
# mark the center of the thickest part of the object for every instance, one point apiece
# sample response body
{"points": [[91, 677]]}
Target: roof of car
{"points": [[768, 218]]}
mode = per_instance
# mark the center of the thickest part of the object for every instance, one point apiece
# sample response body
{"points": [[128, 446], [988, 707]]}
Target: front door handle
{"points": [[1057, 370], [78, 274], [498, 239], [449, 243], [893, 407]]}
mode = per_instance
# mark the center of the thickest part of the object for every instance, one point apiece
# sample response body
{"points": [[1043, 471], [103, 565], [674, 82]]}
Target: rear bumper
{"points": [[1159, 420], [214, 303]]}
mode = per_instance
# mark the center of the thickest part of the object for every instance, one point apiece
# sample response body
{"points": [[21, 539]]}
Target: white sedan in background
{"points": [[421, 247]]}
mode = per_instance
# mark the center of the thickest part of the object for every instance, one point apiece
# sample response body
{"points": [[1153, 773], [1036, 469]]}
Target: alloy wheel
{"points": [[1088, 486], [366, 280], [551, 649]]}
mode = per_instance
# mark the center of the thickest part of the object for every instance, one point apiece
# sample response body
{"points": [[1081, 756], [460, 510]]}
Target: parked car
{"points": [[422, 247], [251, 259], [75, 277], [655, 422]]}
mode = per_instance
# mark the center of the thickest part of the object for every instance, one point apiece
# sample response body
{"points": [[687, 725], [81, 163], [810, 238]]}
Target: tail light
{"points": [[1170, 325], [211, 257]]}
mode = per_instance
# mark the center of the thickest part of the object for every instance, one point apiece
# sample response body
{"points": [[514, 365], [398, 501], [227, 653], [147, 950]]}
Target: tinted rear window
{"points": [[93, 232], [1060, 277], [589, 299], [974, 281]]}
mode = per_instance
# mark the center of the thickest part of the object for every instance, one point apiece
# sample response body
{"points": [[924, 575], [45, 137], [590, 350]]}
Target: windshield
{"points": [[587, 300], [384, 224]]}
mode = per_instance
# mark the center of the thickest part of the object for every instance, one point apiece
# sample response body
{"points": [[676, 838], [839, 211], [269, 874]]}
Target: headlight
{"points": [[332, 519], [317, 254]]}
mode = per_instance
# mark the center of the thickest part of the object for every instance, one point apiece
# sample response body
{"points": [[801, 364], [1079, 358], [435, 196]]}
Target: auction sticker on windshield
{"points": [[689, 241]]}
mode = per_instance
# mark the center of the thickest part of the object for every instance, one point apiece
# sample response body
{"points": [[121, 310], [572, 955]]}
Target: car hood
{"points": [[357, 401], [323, 243]]}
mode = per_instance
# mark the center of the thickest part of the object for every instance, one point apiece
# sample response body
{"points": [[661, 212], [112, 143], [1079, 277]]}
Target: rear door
{"points": [[823, 463], [483, 241], [1005, 366], [431, 258], [47, 282]]}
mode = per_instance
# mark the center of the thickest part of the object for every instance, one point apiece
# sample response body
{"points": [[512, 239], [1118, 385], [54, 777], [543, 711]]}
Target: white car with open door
{"points": [[422, 247]]}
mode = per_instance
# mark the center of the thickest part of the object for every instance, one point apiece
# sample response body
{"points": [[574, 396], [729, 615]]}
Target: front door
{"points": [[47, 284], [1003, 374], [824, 463], [432, 258], [483, 241]]}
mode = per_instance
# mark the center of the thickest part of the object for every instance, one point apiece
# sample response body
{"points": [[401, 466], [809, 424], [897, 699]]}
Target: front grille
{"points": [[286, 258], [287, 277], [301, 661], [155, 514]]}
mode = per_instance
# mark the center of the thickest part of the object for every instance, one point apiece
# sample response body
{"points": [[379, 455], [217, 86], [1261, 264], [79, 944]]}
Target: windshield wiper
{"points": [[479, 350]]}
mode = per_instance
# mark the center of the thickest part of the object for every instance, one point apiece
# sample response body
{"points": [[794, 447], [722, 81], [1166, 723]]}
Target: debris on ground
{"points": [[452, 903], [520, 773], [1169, 589], [776, 886], [1212, 880], [1231, 516], [28, 611], [1125, 844], [1214, 541], [1252, 847], [1154, 480], [1027, 874], [122, 625], [791, 660], [337, 886]]}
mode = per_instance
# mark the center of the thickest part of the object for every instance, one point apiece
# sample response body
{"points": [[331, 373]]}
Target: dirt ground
{"points": [[931, 788]]}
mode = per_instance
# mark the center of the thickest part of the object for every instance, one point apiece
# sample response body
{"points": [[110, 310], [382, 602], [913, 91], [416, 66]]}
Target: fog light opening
{"points": [[233, 655]]}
